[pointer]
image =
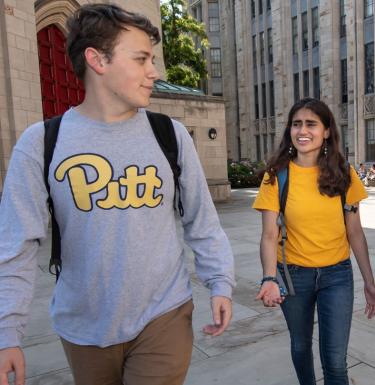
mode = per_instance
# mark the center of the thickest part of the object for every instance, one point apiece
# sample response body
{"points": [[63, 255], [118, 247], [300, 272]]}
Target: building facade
{"points": [[278, 51], [37, 82]]}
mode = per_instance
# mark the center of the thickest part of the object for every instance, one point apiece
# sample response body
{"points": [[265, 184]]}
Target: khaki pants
{"points": [[159, 355]]}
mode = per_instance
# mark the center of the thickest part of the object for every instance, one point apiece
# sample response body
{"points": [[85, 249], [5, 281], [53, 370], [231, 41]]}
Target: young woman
{"points": [[318, 240]]}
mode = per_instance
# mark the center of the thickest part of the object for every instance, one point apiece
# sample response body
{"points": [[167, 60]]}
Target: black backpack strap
{"points": [[283, 184], [51, 131], [345, 206], [165, 135]]}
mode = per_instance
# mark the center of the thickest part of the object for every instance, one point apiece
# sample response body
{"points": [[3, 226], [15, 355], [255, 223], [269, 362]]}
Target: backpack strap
{"points": [[283, 184], [165, 135], [345, 206], [51, 131]]}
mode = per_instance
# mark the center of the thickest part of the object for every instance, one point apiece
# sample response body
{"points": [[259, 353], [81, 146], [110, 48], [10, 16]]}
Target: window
{"points": [[370, 142], [265, 145], [305, 35], [306, 83], [369, 68], [296, 86], [344, 81], [272, 142], [369, 8], [316, 82], [215, 63], [264, 100], [315, 26], [260, 3], [253, 8], [342, 19], [295, 35], [345, 140], [213, 24], [270, 48], [213, 7], [272, 99], [254, 51], [256, 102], [257, 141], [261, 38]]}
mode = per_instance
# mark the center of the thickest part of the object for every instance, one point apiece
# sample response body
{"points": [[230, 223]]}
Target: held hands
{"points": [[370, 300], [269, 293], [221, 315], [12, 360]]}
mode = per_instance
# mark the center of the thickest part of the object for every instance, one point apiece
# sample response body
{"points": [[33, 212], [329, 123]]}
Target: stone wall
{"points": [[199, 114]]}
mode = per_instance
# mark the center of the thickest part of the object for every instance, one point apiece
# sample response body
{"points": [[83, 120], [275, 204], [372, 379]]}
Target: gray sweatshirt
{"points": [[122, 261]]}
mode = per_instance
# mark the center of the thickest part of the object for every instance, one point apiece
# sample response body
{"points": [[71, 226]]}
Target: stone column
{"points": [[229, 66], [330, 55], [20, 94]]}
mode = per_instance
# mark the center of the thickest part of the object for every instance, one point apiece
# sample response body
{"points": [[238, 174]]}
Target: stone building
{"points": [[36, 82], [277, 51]]}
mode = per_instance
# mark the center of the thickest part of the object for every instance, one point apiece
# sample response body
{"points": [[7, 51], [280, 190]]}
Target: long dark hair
{"points": [[334, 175]]}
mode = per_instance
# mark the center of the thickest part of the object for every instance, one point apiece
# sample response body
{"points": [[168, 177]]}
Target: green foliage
{"points": [[184, 61], [245, 174]]}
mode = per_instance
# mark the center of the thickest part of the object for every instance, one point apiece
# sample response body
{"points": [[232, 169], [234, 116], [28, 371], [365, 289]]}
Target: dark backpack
{"points": [[283, 183], [165, 135]]}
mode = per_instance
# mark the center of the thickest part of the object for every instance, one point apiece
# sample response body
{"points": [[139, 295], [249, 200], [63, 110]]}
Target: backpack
{"points": [[165, 135], [283, 183]]}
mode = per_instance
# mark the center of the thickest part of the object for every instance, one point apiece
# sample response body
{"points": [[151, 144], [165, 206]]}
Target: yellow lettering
{"points": [[81, 188]]}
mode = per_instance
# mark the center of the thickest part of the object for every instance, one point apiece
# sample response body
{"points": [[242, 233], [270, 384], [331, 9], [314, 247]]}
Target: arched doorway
{"points": [[61, 89]]}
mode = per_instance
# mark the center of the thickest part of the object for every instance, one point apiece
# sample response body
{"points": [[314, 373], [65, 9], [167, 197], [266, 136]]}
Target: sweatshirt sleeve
{"points": [[23, 223], [202, 229]]}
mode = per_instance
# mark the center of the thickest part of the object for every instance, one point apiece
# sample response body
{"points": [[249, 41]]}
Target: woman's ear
{"points": [[326, 133]]}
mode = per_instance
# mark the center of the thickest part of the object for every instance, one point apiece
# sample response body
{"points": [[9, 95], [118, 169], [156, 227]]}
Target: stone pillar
{"points": [[330, 55], [20, 94], [229, 66], [283, 64]]}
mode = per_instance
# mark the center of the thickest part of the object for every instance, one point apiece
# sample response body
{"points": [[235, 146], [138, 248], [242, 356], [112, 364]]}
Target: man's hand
{"points": [[12, 360], [221, 315]]}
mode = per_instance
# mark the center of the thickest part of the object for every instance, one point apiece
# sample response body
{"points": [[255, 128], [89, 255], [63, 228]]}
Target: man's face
{"points": [[129, 77]]}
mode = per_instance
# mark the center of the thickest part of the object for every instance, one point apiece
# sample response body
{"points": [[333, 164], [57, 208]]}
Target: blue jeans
{"points": [[331, 290]]}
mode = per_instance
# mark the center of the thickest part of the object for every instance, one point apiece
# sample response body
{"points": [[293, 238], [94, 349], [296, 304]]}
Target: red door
{"points": [[61, 89]]}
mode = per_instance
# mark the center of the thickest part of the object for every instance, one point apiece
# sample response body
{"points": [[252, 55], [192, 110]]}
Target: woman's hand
{"points": [[269, 293], [370, 300]]}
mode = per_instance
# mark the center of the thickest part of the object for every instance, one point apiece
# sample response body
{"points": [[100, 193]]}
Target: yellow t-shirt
{"points": [[314, 222]]}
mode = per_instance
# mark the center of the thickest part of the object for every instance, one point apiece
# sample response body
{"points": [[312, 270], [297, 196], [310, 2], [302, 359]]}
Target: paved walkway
{"points": [[254, 350]]}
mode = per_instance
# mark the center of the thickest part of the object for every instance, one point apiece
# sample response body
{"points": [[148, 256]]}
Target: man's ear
{"points": [[95, 60]]}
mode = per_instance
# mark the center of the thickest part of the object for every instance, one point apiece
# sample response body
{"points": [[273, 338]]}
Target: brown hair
{"points": [[98, 26], [334, 175]]}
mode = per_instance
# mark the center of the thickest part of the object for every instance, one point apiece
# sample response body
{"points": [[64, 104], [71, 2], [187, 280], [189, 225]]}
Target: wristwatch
{"points": [[269, 278]]}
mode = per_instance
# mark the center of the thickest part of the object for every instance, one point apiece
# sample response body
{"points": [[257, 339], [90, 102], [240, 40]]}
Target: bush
{"points": [[245, 174]]}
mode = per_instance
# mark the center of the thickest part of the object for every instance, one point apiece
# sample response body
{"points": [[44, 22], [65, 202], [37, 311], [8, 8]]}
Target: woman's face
{"points": [[308, 133]]}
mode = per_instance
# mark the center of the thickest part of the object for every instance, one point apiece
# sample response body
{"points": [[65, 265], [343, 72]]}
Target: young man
{"points": [[122, 305]]}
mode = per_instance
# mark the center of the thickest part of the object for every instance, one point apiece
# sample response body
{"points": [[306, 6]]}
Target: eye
{"points": [[142, 59]]}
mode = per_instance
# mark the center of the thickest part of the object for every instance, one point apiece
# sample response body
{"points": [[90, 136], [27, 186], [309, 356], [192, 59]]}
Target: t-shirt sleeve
{"points": [[356, 191], [267, 198]]}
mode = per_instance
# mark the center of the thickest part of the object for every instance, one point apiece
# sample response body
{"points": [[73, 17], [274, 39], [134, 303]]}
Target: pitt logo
{"points": [[132, 181]]}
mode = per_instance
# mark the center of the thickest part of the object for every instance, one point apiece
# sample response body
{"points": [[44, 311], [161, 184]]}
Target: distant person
{"points": [[123, 302], [370, 176], [362, 171], [317, 248]]}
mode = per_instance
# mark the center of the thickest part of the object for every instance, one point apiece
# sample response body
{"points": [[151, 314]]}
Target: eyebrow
{"points": [[144, 53], [307, 121]]}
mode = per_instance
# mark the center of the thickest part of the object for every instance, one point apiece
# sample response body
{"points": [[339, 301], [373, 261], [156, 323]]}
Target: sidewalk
{"points": [[254, 350]]}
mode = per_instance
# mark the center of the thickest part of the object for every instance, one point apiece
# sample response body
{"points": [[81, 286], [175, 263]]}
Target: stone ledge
{"points": [[219, 189]]}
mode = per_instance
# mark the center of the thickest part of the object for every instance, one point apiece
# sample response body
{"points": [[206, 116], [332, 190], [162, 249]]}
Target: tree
{"points": [[184, 61]]}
